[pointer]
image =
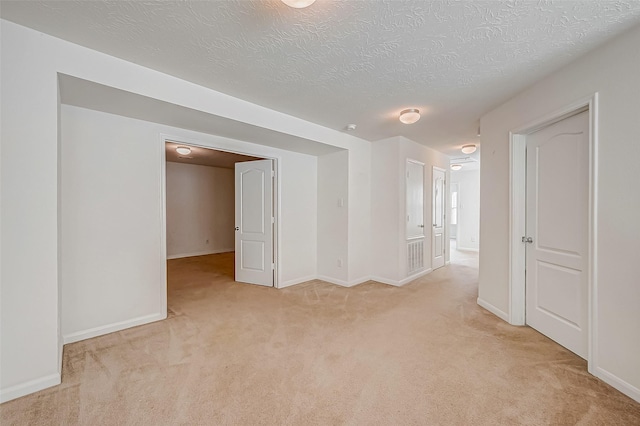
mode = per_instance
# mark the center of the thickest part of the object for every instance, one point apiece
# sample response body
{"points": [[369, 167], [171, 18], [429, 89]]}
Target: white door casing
{"points": [[415, 217], [254, 222], [415, 199], [438, 218], [557, 199]]}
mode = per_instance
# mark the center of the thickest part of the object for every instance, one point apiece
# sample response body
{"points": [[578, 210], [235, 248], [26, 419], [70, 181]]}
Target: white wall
{"points": [[110, 252], [30, 329], [612, 71], [389, 253], [200, 210], [333, 207], [468, 232]]}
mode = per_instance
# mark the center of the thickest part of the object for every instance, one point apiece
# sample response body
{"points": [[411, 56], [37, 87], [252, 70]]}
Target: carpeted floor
{"points": [[316, 353]]}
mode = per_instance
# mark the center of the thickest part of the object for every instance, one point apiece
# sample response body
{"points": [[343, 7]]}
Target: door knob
{"points": [[527, 239], [237, 228]]}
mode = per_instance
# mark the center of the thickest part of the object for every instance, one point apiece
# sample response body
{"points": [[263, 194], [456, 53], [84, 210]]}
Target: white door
{"points": [[438, 246], [415, 200], [557, 231], [254, 222]]}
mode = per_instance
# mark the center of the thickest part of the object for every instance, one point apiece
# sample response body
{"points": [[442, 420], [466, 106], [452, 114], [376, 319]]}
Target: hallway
{"points": [[317, 353]]}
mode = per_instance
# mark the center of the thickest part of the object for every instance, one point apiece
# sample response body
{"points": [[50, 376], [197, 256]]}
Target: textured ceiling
{"points": [[340, 62]]}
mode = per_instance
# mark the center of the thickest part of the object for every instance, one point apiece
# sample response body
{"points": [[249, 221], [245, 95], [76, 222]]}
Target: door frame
{"points": [[517, 215], [218, 146], [445, 225]]}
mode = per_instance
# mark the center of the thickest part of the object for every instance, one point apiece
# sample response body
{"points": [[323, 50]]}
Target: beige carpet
{"points": [[316, 353]]}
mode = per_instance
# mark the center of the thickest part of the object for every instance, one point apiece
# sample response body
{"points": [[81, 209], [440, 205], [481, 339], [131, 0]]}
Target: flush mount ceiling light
{"points": [[469, 149], [298, 4], [409, 116], [456, 166], [183, 150]]}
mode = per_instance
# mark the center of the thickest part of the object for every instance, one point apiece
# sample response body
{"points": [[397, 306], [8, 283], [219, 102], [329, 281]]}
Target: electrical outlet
{"points": [[339, 263], [473, 239]]}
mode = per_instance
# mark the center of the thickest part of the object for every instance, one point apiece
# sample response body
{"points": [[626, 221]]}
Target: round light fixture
{"points": [[409, 116], [351, 127], [456, 166], [183, 150], [469, 149], [298, 4]]}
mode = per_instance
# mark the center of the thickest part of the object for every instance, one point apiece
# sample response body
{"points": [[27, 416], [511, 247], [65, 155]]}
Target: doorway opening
{"points": [[533, 169], [464, 217], [202, 219]]}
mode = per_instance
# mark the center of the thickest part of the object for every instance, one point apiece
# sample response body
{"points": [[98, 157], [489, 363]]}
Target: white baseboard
{"points": [[336, 281], [467, 249], [295, 281], [398, 283], [495, 311], [110, 328], [359, 280], [613, 380], [199, 253], [31, 386]]}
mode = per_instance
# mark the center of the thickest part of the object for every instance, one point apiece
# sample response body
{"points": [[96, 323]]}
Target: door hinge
{"points": [[273, 173], [273, 219], [273, 266]]}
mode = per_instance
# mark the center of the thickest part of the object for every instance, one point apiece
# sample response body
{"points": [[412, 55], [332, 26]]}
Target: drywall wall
{"points": [[468, 232], [333, 204], [387, 195], [110, 212], [611, 71], [389, 248], [200, 210], [112, 256], [30, 63]]}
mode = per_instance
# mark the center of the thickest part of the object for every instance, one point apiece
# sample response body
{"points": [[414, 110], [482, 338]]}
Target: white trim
{"points": [[110, 328], [495, 311], [399, 283], [359, 281], [517, 227], [445, 206], [517, 212], [335, 281], [613, 380], [29, 387], [295, 281], [467, 249], [343, 283], [164, 283], [199, 253]]}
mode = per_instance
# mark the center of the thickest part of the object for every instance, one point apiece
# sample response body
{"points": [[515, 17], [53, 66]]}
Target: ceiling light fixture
{"points": [[183, 150], [456, 166], [409, 116], [351, 127], [298, 4], [469, 149]]}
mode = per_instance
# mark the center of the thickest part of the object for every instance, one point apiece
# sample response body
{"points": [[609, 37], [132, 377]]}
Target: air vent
{"points": [[415, 256]]}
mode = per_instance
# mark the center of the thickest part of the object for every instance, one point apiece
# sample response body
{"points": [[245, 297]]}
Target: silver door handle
{"points": [[421, 226], [237, 228], [527, 240]]}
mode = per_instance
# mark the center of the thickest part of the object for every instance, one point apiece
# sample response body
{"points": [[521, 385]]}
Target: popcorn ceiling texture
{"points": [[340, 62]]}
